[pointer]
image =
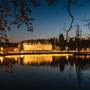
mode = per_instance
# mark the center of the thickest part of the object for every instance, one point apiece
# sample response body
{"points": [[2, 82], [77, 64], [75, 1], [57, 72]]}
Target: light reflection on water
{"points": [[45, 71]]}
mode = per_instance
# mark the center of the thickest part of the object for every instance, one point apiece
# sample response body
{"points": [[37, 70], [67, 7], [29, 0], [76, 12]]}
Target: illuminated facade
{"points": [[36, 46], [9, 47]]}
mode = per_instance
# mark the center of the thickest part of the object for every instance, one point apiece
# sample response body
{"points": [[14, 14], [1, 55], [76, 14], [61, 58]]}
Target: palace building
{"points": [[36, 46]]}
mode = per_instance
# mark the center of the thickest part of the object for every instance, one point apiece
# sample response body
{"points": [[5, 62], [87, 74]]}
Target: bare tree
{"points": [[21, 12]]}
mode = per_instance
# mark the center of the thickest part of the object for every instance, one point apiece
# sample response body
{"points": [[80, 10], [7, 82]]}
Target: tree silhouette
{"points": [[61, 41]]}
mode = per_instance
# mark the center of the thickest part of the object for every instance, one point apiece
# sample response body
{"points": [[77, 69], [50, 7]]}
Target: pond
{"points": [[51, 71]]}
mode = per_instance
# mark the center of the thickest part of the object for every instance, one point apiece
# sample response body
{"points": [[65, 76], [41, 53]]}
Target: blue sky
{"points": [[49, 21]]}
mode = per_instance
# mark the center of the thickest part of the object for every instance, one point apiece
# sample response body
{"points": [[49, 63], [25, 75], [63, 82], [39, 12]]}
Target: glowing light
{"points": [[67, 57], [21, 51], [66, 48], [88, 56], [1, 48], [76, 49], [21, 55], [82, 49], [1, 59], [1, 52]]}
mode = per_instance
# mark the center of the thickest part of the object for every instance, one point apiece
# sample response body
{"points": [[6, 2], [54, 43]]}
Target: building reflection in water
{"points": [[36, 59], [76, 64]]}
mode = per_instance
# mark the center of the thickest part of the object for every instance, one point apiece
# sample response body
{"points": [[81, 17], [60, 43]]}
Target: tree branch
{"points": [[72, 17]]}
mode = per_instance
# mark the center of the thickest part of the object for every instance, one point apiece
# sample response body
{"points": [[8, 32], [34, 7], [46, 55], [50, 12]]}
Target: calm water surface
{"points": [[38, 72]]}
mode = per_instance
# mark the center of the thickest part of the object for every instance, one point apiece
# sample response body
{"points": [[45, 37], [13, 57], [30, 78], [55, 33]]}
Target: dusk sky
{"points": [[49, 21]]}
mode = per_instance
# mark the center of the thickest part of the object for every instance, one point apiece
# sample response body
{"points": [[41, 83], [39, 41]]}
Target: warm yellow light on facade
{"points": [[88, 49], [1, 59], [66, 48], [76, 49], [82, 49], [15, 49], [1, 48], [36, 46]]}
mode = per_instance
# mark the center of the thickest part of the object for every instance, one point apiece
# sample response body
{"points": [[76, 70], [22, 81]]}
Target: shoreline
{"points": [[45, 52]]}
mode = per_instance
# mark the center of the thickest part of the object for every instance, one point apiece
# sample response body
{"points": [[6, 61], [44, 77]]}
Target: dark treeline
{"points": [[60, 43], [4, 45]]}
